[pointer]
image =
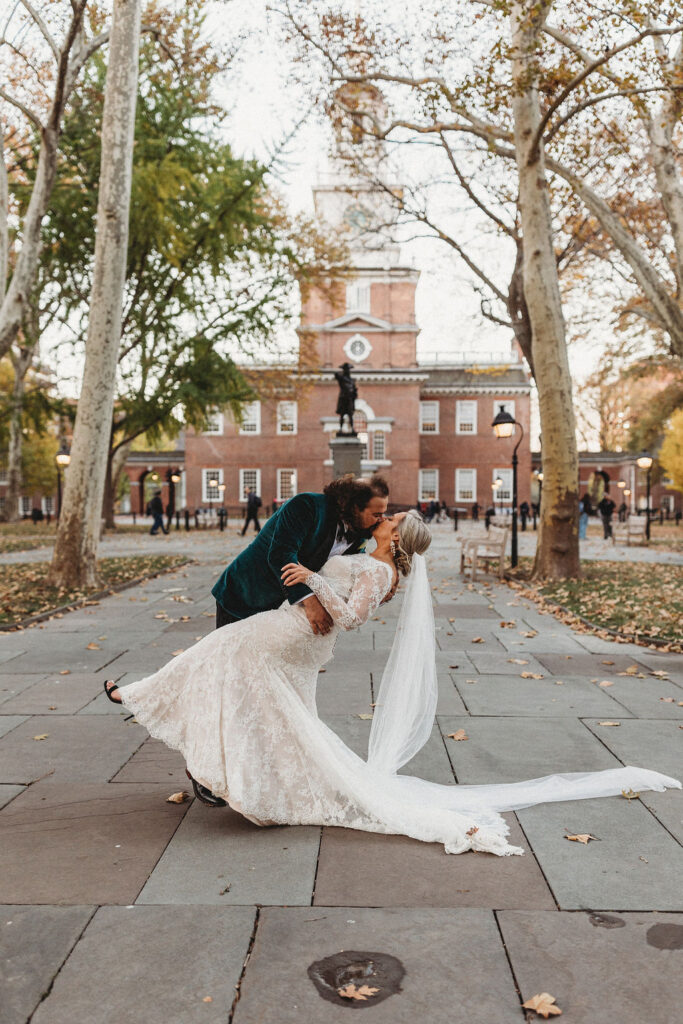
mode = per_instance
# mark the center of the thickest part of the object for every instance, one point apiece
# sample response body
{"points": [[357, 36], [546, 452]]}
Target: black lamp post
{"points": [[644, 461], [503, 425], [62, 458]]}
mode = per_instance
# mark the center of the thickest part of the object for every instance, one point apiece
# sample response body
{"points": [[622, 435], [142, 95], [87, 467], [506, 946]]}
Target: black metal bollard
{"points": [[187, 519], [177, 520]]}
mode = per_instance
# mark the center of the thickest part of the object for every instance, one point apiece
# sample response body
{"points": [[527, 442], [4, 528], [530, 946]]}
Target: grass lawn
{"points": [[24, 591], [636, 598]]}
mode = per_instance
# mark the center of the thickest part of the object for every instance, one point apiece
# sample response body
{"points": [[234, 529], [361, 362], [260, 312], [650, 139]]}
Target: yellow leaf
{"points": [[459, 735], [477, 640], [518, 661], [581, 837], [605, 682], [630, 794], [42, 736], [543, 1005], [609, 723], [365, 715], [65, 672], [180, 650], [357, 992], [207, 999], [92, 647], [531, 675], [178, 798]]}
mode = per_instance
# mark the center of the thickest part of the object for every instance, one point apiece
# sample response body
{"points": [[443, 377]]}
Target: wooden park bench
{"points": [[632, 530], [488, 548]]}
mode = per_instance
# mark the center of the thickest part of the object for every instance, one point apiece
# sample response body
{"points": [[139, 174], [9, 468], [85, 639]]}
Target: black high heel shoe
{"points": [[109, 691], [205, 795]]}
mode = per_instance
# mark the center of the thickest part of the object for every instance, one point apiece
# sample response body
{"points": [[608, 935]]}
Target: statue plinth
{"points": [[347, 451]]}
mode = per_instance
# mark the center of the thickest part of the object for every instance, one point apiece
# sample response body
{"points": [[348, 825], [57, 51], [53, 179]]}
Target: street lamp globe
{"points": [[540, 478], [504, 424], [213, 482], [621, 484], [63, 456], [175, 479], [644, 461], [627, 493]]}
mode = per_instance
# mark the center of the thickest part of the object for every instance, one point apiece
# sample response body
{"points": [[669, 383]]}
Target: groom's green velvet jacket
{"points": [[302, 530]]}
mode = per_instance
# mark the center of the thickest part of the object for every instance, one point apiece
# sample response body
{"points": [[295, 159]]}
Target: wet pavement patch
{"points": [[355, 979], [606, 921], [665, 936]]}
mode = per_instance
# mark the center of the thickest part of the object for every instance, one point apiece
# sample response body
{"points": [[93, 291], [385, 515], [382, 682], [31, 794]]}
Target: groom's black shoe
{"points": [[204, 794]]}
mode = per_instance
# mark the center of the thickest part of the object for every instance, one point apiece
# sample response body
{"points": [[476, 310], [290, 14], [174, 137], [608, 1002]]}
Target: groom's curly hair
{"points": [[352, 494]]}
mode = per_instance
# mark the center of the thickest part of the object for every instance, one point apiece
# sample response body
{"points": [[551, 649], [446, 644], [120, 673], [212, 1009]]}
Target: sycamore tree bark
{"points": [[557, 552], [21, 362], [74, 561]]}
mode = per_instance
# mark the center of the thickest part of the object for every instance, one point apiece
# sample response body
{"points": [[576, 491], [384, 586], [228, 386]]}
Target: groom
{"points": [[309, 528]]}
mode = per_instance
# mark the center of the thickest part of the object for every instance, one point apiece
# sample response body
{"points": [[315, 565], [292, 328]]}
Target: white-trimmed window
{"points": [[250, 478], [286, 417], [286, 484], [358, 297], [504, 492], [428, 484], [465, 485], [3, 504], [360, 425], [3, 469], [465, 417], [25, 505], [48, 505], [211, 478], [251, 418], [429, 417], [508, 406], [379, 450], [214, 423]]}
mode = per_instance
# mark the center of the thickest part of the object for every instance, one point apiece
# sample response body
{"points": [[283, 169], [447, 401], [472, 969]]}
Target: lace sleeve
{"points": [[369, 588]]}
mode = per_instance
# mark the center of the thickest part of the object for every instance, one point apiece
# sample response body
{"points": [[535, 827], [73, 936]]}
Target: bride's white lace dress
{"points": [[240, 705]]}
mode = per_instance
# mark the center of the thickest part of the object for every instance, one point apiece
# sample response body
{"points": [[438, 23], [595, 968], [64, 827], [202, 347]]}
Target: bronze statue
{"points": [[346, 402]]}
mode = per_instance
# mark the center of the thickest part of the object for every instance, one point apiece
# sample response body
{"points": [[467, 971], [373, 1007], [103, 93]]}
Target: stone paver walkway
{"points": [[120, 907]]}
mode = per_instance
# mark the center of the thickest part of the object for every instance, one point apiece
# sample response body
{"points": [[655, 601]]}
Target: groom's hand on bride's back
{"points": [[319, 618]]}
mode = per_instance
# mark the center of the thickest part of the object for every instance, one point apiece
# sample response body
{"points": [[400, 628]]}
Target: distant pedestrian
{"points": [[585, 509], [155, 508], [606, 509], [488, 516], [443, 513], [524, 511], [622, 512], [475, 511], [251, 513]]}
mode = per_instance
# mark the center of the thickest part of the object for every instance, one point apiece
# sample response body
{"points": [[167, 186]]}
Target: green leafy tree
{"points": [[671, 453]]}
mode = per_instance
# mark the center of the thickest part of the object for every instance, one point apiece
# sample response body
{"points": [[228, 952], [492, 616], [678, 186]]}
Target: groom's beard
{"points": [[352, 531]]}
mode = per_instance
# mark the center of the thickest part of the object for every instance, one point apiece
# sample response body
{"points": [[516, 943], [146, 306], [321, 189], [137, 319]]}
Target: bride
{"points": [[240, 706]]}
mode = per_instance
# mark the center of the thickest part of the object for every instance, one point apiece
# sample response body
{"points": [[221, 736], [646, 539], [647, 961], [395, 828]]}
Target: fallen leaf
{"points": [[477, 640], [226, 889], [667, 700], [92, 647], [660, 673], [178, 798], [459, 735], [531, 675], [609, 723], [606, 661], [530, 633], [42, 736], [52, 707], [365, 715], [176, 653], [581, 837], [508, 625], [644, 860], [630, 794], [632, 670], [543, 1005], [472, 831], [518, 661], [356, 992], [606, 682], [65, 672], [207, 999]]}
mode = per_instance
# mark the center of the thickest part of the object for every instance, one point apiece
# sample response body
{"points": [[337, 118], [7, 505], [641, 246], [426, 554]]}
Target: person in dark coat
{"points": [[156, 509], [606, 509], [251, 514], [623, 508], [475, 511], [524, 511]]}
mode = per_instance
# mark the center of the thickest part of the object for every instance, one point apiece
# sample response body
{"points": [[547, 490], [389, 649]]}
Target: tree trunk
{"points": [[74, 561], [557, 552], [518, 309], [4, 216], [664, 154], [20, 364]]}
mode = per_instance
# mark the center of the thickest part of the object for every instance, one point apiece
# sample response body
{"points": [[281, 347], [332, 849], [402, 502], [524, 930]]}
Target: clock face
{"points": [[357, 217], [358, 348]]}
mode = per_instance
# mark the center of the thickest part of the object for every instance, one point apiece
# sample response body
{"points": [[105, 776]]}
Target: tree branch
{"points": [[45, 32], [26, 111], [475, 199], [605, 96]]}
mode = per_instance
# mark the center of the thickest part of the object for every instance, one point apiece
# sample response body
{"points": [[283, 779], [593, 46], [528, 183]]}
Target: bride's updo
{"points": [[414, 537]]}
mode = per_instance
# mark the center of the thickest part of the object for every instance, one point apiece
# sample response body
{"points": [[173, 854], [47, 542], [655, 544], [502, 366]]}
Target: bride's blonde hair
{"points": [[414, 537]]}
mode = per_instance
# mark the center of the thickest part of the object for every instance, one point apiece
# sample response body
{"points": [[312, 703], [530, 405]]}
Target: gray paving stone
{"points": [[462, 640], [56, 695], [12, 684], [646, 743], [668, 809], [8, 793], [648, 698], [77, 844], [500, 664], [7, 724], [559, 643], [217, 849], [64, 655], [634, 865], [598, 970], [465, 610], [155, 762], [76, 749], [172, 958], [457, 981], [511, 695], [430, 763], [10, 654], [35, 943], [450, 702], [589, 665], [364, 869], [341, 691], [512, 749]]}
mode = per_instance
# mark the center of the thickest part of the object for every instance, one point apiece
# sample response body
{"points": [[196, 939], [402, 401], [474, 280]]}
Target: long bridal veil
{"points": [[404, 716]]}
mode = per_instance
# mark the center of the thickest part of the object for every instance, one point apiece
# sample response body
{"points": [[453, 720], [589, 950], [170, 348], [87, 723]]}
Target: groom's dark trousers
{"points": [[302, 530]]}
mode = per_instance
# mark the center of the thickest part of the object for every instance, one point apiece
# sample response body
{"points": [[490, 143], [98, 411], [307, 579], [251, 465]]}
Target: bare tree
{"points": [[74, 561]]}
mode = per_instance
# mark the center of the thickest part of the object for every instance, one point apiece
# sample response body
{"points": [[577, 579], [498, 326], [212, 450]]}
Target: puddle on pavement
{"points": [[354, 971], [665, 936]]}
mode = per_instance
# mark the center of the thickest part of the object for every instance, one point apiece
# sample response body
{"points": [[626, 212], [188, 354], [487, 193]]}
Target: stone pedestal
{"points": [[346, 454]]}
